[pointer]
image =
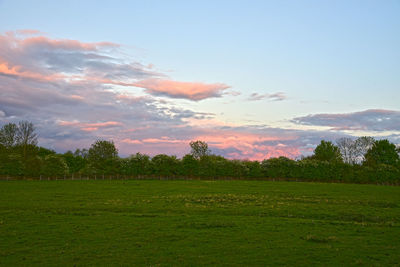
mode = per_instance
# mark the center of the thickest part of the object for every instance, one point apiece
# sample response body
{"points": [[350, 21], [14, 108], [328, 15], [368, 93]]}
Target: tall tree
{"points": [[348, 149], [362, 145], [26, 137], [138, 164], [382, 152], [8, 135], [199, 149], [103, 156], [326, 151], [26, 134]]}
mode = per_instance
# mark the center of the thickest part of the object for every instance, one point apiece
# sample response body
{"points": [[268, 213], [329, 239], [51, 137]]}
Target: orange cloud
{"points": [[188, 90], [18, 72], [249, 144]]}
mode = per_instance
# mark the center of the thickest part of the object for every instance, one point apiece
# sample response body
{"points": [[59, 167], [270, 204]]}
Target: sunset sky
{"points": [[254, 79]]}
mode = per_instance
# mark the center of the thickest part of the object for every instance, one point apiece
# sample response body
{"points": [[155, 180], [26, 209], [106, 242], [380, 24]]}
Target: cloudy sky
{"points": [[254, 79]]}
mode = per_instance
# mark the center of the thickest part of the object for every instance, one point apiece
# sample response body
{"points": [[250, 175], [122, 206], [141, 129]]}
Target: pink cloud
{"points": [[90, 127], [232, 144], [43, 41], [77, 97], [188, 90], [131, 141], [247, 145], [164, 140], [28, 32]]}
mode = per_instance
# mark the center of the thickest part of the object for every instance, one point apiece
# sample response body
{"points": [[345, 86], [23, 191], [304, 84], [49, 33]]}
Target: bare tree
{"points": [[353, 151], [8, 135], [363, 144], [348, 149], [26, 134]]}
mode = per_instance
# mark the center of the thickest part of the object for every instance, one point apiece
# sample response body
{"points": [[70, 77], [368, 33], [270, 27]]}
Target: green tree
{"points": [[54, 166], [382, 152], [103, 157], [326, 151], [135, 165], [281, 167], [8, 135], [74, 161], [199, 149], [190, 165], [164, 165], [253, 169], [43, 152]]}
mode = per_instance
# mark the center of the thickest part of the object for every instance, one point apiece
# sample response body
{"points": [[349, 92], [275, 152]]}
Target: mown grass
{"points": [[224, 223]]}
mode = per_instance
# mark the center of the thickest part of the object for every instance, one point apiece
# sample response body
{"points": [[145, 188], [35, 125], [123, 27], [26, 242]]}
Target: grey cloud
{"points": [[368, 120], [279, 96]]}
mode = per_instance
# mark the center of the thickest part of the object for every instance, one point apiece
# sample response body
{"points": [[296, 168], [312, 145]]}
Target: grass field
{"points": [[224, 223]]}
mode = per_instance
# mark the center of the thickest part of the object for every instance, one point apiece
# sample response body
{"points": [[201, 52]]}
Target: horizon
{"points": [[253, 81]]}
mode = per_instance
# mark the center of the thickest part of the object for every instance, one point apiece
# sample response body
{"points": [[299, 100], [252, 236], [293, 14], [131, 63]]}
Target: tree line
{"points": [[361, 160]]}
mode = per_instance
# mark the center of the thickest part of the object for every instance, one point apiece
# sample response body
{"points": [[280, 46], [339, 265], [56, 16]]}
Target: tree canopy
{"points": [[327, 151], [199, 149], [382, 152]]}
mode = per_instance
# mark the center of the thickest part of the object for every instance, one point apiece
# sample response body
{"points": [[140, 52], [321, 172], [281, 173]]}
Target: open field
{"points": [[225, 223]]}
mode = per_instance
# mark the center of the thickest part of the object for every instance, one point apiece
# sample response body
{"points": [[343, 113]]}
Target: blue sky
{"points": [[274, 61]]}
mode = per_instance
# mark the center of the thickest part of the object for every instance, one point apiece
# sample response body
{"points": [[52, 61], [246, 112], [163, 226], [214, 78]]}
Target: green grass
{"points": [[224, 223]]}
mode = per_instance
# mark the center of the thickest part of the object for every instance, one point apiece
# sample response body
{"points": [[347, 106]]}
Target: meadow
{"points": [[194, 223]]}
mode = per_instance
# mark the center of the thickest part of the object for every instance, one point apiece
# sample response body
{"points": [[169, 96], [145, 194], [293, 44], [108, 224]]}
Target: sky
{"points": [[253, 79]]}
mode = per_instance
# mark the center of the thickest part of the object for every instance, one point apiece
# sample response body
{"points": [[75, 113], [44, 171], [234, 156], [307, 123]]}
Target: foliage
{"points": [[8, 135], [382, 152], [103, 156], [164, 165], [54, 166], [136, 165], [75, 161], [190, 166], [326, 151], [199, 149]]}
